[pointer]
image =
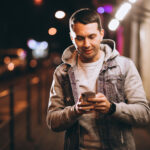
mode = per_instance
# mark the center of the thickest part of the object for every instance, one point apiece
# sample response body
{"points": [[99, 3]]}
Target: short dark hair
{"points": [[85, 16]]}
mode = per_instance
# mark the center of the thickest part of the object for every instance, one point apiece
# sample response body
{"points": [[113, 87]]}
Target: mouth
{"points": [[88, 51]]}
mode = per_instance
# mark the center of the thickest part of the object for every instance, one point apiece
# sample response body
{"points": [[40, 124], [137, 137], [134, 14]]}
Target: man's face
{"points": [[87, 39]]}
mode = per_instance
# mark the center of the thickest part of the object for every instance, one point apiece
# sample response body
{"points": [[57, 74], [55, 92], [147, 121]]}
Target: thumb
{"points": [[80, 98], [98, 95]]}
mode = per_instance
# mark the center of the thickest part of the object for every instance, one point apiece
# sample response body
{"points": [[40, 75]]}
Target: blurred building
{"points": [[136, 39]]}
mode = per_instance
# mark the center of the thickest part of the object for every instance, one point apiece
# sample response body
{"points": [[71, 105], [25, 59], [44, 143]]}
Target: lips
{"points": [[88, 51]]}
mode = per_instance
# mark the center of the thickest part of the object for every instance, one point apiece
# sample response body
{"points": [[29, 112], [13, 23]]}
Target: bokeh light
{"points": [[4, 93], [21, 53], [33, 63], [52, 31], [108, 8], [11, 66], [114, 23], [122, 11], [43, 45], [100, 10], [60, 14], [7, 60], [32, 44], [132, 1], [38, 2], [35, 80], [105, 9]]}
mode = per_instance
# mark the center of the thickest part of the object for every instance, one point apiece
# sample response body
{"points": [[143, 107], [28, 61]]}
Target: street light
{"points": [[122, 11], [113, 25], [60, 14]]}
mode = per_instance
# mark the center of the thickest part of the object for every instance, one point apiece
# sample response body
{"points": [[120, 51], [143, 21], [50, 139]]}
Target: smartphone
{"points": [[87, 95]]}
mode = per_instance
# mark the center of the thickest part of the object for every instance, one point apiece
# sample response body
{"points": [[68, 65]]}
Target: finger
{"points": [[86, 108], [101, 111], [99, 95], [84, 104], [102, 104], [102, 99], [80, 99], [100, 108], [89, 111]]}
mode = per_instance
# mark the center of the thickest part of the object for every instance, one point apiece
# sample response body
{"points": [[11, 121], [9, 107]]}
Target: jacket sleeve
{"points": [[59, 117], [136, 111]]}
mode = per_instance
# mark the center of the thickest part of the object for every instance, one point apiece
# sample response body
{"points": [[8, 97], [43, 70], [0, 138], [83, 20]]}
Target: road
{"points": [[30, 129]]}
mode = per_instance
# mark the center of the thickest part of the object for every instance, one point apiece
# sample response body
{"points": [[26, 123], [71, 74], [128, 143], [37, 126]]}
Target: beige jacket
{"points": [[119, 80]]}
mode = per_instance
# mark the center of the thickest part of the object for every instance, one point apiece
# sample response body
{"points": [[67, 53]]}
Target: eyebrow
{"points": [[93, 34]]}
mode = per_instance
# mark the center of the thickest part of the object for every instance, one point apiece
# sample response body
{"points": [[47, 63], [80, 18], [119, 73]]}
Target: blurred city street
{"points": [[31, 132], [33, 36]]}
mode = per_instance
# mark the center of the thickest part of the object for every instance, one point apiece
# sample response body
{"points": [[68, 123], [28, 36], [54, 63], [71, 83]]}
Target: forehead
{"points": [[83, 29]]}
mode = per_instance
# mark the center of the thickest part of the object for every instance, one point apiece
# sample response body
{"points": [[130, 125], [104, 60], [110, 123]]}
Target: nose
{"points": [[86, 43]]}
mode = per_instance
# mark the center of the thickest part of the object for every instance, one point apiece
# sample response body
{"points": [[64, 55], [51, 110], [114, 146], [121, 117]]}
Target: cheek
{"points": [[78, 44], [101, 38], [96, 43]]}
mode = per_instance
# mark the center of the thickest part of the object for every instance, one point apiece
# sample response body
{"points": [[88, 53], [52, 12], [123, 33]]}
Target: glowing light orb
{"points": [[100, 10], [113, 25], [7, 60], [52, 31], [60, 14], [11, 66]]}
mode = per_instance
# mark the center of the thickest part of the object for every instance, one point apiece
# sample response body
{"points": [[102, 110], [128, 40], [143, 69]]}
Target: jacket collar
{"points": [[108, 46]]}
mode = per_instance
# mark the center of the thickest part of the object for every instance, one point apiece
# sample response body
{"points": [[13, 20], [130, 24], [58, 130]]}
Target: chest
{"points": [[110, 82]]}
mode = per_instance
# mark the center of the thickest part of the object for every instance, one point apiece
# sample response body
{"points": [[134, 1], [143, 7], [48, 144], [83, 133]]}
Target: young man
{"points": [[103, 121]]}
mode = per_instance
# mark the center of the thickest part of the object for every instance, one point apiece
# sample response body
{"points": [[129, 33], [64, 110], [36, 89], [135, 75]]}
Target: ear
{"points": [[102, 34], [71, 37]]}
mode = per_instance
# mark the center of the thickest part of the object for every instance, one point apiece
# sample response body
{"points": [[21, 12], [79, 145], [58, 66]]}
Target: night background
{"points": [[29, 54], [24, 19]]}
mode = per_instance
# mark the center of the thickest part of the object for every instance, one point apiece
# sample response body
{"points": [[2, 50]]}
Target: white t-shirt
{"points": [[86, 75]]}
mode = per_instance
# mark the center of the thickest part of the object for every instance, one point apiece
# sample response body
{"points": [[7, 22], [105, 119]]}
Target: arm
{"points": [[59, 116], [136, 111]]}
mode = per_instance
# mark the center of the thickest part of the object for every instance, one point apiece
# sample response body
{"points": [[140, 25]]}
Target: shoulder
{"points": [[125, 64], [122, 60], [62, 69]]}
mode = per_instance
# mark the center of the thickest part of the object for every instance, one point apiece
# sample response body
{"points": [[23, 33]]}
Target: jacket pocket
{"points": [[114, 87]]}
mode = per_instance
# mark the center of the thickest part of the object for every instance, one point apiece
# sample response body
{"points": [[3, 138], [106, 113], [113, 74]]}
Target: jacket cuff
{"points": [[118, 111], [112, 109], [73, 113]]}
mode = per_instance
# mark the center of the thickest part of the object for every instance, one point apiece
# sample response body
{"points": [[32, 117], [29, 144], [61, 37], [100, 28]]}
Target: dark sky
{"points": [[21, 20]]}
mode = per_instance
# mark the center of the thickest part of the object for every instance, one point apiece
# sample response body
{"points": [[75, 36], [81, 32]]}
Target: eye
{"points": [[80, 38], [92, 36]]}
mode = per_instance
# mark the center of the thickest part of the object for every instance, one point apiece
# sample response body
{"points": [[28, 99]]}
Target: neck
{"points": [[90, 60]]}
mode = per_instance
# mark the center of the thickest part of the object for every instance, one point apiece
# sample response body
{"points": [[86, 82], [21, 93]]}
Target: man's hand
{"points": [[100, 102], [83, 107]]}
